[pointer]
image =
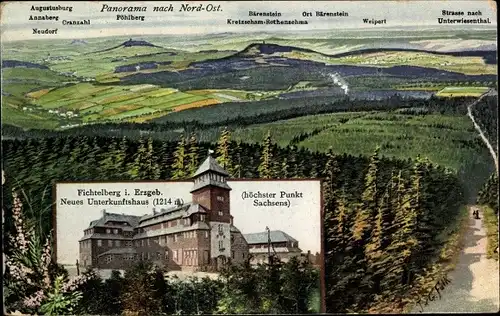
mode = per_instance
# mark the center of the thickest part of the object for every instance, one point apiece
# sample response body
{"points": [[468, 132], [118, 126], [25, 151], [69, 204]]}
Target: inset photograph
{"points": [[210, 228]]}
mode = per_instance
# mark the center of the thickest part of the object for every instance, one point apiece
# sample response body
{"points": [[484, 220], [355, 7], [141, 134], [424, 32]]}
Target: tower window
{"points": [[221, 213], [220, 198]]}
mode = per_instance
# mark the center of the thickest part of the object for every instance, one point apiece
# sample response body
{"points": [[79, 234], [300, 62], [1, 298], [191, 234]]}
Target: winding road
{"points": [[478, 128], [474, 286]]}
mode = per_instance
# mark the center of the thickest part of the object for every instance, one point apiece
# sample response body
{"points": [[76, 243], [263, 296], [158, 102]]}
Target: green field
{"points": [[103, 103], [462, 91], [446, 140]]}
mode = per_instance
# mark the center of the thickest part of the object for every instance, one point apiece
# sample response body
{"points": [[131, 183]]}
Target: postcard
{"points": [[249, 157]]}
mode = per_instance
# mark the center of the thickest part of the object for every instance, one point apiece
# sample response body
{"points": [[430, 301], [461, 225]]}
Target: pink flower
{"points": [[35, 300]]}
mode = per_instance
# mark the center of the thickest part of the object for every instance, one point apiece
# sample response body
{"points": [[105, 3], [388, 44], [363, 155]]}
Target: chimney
{"points": [[103, 213], [154, 211]]}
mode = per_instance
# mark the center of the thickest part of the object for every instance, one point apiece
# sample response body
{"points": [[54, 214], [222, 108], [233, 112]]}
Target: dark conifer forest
{"points": [[382, 216]]}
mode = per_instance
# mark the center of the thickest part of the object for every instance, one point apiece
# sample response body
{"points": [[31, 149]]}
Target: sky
{"points": [[15, 24], [301, 220]]}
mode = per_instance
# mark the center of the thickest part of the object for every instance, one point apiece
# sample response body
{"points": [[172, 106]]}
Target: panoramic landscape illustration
{"points": [[249, 157]]}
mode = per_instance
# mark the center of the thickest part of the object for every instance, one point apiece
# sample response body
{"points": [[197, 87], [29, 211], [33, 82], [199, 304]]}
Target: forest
{"points": [[377, 211]]}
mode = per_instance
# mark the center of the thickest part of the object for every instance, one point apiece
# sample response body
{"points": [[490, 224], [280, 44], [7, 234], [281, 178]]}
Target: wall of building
{"points": [[239, 248]]}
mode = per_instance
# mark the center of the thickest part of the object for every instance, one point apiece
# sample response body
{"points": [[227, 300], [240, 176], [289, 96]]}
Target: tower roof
{"points": [[210, 164]]}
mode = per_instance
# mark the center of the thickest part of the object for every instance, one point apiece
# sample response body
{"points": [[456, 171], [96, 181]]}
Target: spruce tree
{"points": [[151, 169], [266, 159], [237, 160], [180, 160], [365, 216], [224, 151], [134, 167], [380, 238], [92, 173], [193, 159], [284, 168], [165, 160]]}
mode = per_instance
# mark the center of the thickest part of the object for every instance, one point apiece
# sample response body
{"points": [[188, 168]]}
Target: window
{"points": [[99, 243], [128, 244], [206, 234], [115, 231], [220, 198], [147, 240], [117, 243], [175, 255], [158, 256], [232, 238], [110, 243], [175, 237], [109, 258], [202, 217], [206, 257], [142, 242], [108, 231], [221, 245], [166, 255], [221, 213], [220, 228], [232, 254]]}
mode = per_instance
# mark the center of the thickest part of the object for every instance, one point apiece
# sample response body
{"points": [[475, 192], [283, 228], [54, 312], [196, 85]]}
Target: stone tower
{"points": [[211, 191]]}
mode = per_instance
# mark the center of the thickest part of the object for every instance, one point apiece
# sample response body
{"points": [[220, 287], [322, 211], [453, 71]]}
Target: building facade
{"points": [[277, 243], [197, 236]]}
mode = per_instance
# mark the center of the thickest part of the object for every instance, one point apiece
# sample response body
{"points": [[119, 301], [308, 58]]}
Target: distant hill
{"points": [[78, 42], [21, 64], [257, 49], [131, 43]]}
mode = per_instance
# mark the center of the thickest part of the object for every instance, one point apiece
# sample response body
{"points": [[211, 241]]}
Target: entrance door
{"points": [[221, 262]]}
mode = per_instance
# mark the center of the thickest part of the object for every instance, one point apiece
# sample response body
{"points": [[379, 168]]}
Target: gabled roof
{"points": [[119, 251], [193, 209], [262, 238], [210, 164], [132, 220], [170, 210]]}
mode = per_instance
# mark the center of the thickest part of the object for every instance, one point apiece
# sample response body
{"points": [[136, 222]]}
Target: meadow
{"points": [[470, 65], [462, 91], [448, 140]]}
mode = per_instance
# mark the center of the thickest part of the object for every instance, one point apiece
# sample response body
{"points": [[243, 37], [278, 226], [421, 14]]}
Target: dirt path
{"points": [[474, 283], [480, 131]]}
